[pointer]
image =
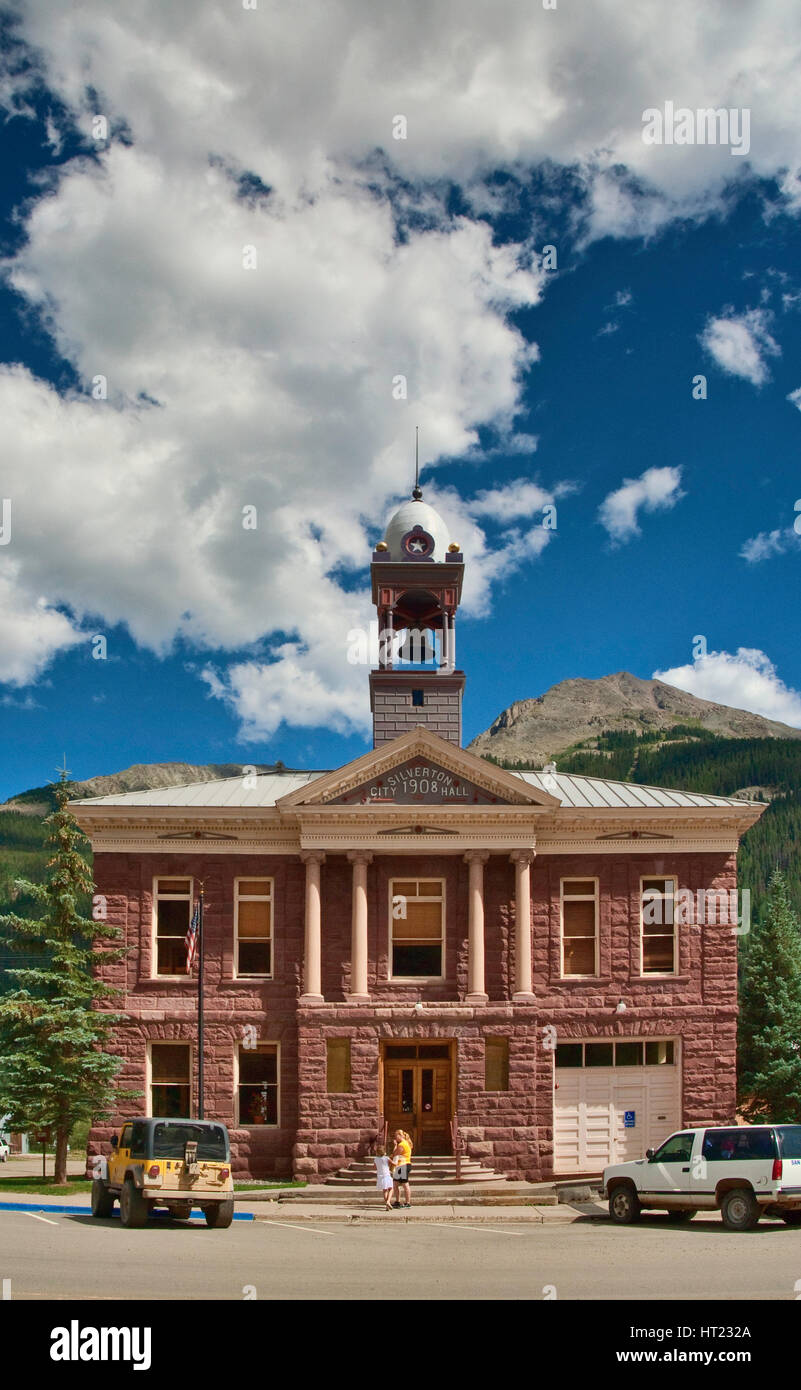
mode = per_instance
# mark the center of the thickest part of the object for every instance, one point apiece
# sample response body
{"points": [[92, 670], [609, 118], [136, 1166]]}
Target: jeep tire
{"points": [[740, 1209], [219, 1214], [102, 1199], [133, 1206], [624, 1205]]}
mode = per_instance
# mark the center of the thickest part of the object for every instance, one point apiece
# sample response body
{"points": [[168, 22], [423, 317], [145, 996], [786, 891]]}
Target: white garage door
{"points": [[613, 1101]]}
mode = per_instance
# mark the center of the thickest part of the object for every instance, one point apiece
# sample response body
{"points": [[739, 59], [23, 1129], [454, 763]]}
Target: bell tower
{"points": [[416, 574]]}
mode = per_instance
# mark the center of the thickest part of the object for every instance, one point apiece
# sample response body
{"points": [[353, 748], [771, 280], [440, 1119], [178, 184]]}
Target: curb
{"points": [[66, 1210], [526, 1216]]}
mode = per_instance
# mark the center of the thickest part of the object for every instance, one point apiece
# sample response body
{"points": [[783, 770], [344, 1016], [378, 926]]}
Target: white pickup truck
{"points": [[745, 1171]]}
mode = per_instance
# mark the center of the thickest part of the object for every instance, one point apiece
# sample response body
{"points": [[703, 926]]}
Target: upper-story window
{"points": [[658, 934], [253, 927], [417, 928], [579, 926], [173, 910]]}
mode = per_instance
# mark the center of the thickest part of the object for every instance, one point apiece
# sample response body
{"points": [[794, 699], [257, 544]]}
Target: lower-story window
{"points": [[337, 1066], [615, 1054], [170, 1080], [258, 1085], [496, 1064]]}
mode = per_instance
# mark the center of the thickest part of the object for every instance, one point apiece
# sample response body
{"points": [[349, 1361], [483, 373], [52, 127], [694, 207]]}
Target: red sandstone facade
{"points": [[512, 1130], [546, 1067]]}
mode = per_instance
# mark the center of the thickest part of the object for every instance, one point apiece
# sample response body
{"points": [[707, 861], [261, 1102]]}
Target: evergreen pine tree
{"points": [[769, 1031], [56, 1020]]}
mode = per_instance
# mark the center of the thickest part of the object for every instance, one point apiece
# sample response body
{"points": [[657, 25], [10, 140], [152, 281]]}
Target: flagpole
{"points": [[200, 1031]]}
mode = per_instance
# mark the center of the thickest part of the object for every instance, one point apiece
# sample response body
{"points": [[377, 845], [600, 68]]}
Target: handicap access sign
{"points": [[629, 1119]]}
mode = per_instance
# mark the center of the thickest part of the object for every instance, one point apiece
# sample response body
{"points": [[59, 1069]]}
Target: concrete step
{"points": [[425, 1169], [444, 1179], [499, 1193]]}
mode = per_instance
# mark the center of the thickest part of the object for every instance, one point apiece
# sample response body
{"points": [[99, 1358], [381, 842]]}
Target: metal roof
{"points": [[264, 789], [600, 791]]}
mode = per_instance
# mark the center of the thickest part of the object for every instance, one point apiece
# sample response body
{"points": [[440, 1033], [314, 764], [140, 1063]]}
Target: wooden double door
{"points": [[418, 1097]]}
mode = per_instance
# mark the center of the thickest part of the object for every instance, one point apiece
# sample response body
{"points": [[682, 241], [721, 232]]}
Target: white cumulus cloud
{"points": [[741, 343], [272, 129], [746, 679], [657, 489], [770, 543]]}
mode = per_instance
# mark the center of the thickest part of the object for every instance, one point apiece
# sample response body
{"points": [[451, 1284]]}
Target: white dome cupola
{"points": [[417, 532]]}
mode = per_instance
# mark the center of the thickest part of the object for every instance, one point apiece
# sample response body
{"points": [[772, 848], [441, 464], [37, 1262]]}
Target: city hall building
{"points": [[421, 939]]}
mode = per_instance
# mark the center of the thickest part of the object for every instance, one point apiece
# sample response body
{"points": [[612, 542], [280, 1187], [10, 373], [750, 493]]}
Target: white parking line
{"points": [[313, 1230], [39, 1218]]}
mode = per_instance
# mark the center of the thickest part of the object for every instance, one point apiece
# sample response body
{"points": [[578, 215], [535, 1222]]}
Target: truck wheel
{"points": [[681, 1214], [791, 1218], [624, 1205], [740, 1209], [219, 1214], [133, 1206], [102, 1199]]}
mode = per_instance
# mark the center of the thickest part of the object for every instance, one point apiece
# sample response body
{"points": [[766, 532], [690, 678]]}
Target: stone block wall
{"points": [[512, 1131]]}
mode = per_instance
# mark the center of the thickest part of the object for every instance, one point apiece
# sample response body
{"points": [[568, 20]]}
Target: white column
{"points": [[523, 991], [476, 993], [312, 942], [359, 992]]}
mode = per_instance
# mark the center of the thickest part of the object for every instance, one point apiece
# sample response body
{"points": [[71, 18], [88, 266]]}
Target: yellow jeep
{"points": [[169, 1163]]}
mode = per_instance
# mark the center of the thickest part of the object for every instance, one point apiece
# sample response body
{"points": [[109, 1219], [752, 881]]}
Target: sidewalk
{"points": [[292, 1214]]}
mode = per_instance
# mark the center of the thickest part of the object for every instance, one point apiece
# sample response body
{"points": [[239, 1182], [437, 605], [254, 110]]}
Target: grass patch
{"points": [[28, 1183], [251, 1185], [42, 1186]]}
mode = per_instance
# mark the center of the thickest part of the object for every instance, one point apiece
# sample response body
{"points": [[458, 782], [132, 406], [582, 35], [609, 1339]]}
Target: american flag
{"points": [[192, 938]]}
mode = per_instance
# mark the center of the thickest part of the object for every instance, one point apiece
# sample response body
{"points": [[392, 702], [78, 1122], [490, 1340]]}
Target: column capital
{"points": [[476, 856], [313, 856], [523, 856], [360, 856]]}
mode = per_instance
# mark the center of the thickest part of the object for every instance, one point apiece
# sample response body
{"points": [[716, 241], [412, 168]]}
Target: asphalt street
{"points": [[48, 1256]]}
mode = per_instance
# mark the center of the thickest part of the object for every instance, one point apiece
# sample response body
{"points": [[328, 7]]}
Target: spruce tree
{"points": [[769, 1032], [56, 1020]]}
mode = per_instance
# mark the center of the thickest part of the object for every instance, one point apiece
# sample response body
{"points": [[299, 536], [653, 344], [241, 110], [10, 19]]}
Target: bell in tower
{"points": [[417, 574]]}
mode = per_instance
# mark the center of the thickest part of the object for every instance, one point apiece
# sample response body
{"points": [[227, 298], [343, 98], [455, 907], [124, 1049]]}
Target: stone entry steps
{"points": [[361, 1173], [433, 1182]]}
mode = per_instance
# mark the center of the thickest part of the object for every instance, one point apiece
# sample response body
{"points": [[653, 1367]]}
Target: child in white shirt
{"points": [[383, 1177]]}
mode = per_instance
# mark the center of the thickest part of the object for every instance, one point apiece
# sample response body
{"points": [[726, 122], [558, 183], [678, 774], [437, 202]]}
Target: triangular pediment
{"points": [[418, 769]]}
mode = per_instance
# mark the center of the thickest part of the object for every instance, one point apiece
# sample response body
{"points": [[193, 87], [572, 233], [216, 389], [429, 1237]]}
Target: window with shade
{"points": [[253, 927], [258, 1085], [658, 934], [496, 1064], [170, 1080], [337, 1066], [173, 910], [417, 928], [579, 926]]}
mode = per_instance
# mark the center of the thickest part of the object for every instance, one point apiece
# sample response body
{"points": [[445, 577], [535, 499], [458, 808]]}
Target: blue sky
{"points": [[271, 386]]}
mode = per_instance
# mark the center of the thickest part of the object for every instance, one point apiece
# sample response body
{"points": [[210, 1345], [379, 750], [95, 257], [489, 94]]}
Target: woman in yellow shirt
{"points": [[401, 1161]]}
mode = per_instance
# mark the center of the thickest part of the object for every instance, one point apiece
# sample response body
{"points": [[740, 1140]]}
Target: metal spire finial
{"points": [[417, 491]]}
